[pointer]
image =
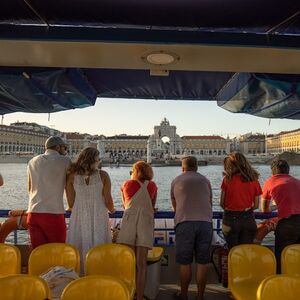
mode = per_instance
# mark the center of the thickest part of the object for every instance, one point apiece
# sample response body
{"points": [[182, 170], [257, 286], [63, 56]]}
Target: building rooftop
{"points": [[202, 137], [128, 137]]}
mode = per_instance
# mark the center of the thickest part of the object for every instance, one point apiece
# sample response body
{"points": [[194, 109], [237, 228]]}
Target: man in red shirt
{"points": [[284, 190]]}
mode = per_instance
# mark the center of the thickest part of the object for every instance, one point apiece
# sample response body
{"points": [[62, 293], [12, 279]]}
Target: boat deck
{"points": [[212, 292]]}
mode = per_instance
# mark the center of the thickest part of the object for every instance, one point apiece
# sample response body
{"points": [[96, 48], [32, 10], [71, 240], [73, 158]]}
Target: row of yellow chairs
{"points": [[279, 287], [30, 287], [113, 260], [249, 265]]}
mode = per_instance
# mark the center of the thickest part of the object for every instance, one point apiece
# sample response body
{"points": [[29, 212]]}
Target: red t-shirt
{"points": [[285, 191], [239, 194], [130, 187]]}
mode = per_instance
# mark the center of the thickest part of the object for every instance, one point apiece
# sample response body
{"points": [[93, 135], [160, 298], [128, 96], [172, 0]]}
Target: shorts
{"points": [[137, 228], [193, 237], [46, 228]]}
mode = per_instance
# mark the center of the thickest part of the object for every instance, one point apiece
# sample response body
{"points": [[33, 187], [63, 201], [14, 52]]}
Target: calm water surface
{"points": [[13, 195]]}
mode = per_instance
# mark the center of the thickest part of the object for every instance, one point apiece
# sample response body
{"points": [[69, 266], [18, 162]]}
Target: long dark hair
{"points": [[236, 163], [85, 161]]}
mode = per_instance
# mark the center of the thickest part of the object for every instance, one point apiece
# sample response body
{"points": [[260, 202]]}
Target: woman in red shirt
{"points": [[139, 197], [239, 197]]}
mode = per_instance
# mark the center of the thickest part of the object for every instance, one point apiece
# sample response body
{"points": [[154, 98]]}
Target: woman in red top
{"points": [[139, 196], [239, 197]]}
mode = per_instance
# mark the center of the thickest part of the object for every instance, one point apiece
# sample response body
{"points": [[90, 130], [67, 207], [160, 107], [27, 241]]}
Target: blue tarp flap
{"points": [[178, 85], [50, 90], [262, 95]]}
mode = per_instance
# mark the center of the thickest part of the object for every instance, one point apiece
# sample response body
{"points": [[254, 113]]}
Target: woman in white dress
{"points": [[89, 197]]}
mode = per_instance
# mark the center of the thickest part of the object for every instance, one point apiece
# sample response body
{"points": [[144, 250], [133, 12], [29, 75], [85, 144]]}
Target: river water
{"points": [[13, 195]]}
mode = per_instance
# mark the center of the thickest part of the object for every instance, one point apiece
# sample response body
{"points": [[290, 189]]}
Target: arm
{"points": [[123, 199], [1, 180], [211, 195], [154, 199], [222, 199], [29, 183], [265, 205], [107, 192], [173, 197], [70, 192], [174, 204], [255, 203]]}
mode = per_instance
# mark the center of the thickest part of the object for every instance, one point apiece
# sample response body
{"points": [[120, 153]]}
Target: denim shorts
{"points": [[193, 237]]}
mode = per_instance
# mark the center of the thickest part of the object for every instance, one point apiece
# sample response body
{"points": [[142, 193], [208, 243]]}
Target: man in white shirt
{"points": [[46, 183]]}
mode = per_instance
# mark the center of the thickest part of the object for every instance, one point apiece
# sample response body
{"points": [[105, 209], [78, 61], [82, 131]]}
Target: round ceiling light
{"points": [[160, 58]]}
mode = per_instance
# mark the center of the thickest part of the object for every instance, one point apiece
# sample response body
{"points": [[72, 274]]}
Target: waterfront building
{"points": [[124, 146], [285, 141], [252, 144], [163, 144], [205, 145], [21, 140], [77, 142]]}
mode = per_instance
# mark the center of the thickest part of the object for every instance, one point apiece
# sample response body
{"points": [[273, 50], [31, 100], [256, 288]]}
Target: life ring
{"points": [[264, 228], [12, 224]]}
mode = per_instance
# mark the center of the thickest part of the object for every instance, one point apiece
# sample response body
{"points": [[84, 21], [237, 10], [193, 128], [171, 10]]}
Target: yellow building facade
{"points": [[252, 144], [286, 141], [17, 140], [205, 145]]}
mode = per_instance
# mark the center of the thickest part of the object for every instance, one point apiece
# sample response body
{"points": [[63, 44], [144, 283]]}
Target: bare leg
{"points": [[185, 279], [201, 279], [141, 263]]}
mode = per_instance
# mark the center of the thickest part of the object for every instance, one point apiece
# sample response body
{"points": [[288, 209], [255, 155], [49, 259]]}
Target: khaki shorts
{"points": [[136, 228]]}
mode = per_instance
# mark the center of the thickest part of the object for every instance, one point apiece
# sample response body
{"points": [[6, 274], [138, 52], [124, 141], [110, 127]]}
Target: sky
{"points": [[132, 117]]}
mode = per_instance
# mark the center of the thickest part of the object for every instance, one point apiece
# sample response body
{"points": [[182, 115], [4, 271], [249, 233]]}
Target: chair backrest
{"points": [[113, 260], [50, 255], [250, 262], [290, 260], [23, 287], [10, 260], [279, 287], [96, 287]]}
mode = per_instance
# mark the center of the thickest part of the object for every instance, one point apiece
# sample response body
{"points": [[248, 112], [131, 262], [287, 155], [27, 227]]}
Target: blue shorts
{"points": [[193, 237]]}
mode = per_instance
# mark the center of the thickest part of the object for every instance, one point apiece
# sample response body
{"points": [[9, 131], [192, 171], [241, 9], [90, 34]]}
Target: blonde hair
{"points": [[236, 163], [85, 161], [142, 171]]}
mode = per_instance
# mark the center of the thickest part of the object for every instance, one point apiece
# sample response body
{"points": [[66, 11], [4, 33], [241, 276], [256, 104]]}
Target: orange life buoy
{"points": [[11, 224], [264, 228]]}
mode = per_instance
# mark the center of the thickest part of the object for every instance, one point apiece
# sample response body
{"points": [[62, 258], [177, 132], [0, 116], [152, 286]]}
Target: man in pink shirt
{"points": [[284, 190], [191, 197]]}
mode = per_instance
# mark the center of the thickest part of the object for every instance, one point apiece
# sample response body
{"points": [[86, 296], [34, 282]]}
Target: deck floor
{"points": [[212, 292]]}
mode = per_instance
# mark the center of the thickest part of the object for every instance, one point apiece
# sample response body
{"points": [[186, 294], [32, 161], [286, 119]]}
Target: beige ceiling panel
{"points": [[129, 56]]}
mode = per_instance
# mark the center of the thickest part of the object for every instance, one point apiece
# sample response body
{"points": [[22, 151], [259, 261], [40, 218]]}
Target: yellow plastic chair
{"points": [[96, 287], [248, 266], [23, 287], [114, 260], [290, 260], [279, 287], [155, 254], [50, 255], [10, 260]]}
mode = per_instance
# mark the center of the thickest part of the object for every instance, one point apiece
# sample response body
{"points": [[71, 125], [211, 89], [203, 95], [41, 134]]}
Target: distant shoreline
{"points": [[217, 160]]}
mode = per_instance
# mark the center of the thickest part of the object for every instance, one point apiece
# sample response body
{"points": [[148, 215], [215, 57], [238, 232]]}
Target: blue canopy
{"points": [[49, 85]]}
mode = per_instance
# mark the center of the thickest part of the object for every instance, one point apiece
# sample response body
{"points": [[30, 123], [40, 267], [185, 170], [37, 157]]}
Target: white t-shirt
{"points": [[48, 179]]}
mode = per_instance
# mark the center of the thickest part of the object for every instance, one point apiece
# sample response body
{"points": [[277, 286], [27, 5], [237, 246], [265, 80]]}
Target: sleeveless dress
{"points": [[89, 222]]}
